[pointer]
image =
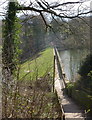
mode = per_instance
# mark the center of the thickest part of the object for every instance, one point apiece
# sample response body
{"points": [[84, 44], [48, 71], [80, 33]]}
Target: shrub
{"points": [[86, 66]]}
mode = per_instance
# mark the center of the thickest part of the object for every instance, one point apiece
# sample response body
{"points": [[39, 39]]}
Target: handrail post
{"points": [[53, 89], [59, 65]]}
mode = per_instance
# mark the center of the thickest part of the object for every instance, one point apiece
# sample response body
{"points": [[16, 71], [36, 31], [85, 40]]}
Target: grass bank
{"points": [[38, 67]]}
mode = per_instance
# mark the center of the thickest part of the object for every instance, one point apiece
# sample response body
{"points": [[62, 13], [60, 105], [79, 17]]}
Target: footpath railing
{"points": [[61, 74], [60, 67]]}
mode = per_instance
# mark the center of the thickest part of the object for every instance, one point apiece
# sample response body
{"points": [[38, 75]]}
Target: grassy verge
{"points": [[39, 66]]}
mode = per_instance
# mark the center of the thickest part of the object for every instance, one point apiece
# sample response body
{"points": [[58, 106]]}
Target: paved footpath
{"points": [[71, 110], [0, 102], [0, 108], [0, 90]]}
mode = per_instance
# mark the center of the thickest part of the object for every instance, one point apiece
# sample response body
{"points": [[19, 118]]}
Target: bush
{"points": [[86, 66], [69, 89], [86, 73]]}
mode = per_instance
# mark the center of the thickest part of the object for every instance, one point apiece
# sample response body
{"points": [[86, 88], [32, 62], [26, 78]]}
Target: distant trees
{"points": [[63, 34], [79, 32], [32, 36], [73, 33]]}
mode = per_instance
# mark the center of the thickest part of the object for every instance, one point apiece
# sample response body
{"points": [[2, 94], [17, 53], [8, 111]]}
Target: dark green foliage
{"points": [[85, 82], [10, 38], [86, 67], [69, 89]]}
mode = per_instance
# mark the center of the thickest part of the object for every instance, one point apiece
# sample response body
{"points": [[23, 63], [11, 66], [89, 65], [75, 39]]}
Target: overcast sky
{"points": [[3, 3]]}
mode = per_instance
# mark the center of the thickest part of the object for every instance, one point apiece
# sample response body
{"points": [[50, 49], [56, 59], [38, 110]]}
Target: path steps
{"points": [[71, 110]]}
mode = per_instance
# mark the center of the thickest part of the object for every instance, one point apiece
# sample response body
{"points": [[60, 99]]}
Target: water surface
{"points": [[72, 60]]}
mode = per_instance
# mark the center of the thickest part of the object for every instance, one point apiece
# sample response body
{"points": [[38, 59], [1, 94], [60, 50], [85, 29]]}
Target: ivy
{"points": [[10, 51]]}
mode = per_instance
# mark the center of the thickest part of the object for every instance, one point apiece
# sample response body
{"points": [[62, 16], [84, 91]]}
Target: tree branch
{"points": [[48, 10], [66, 3]]}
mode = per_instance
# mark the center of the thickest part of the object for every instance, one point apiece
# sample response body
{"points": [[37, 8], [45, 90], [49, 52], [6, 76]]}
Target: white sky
{"points": [[3, 3]]}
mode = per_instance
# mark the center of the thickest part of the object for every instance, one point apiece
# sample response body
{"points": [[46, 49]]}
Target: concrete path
{"points": [[71, 110], [0, 110], [0, 86], [0, 103]]}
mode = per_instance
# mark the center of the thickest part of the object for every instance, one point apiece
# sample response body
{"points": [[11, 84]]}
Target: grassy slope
{"points": [[39, 66]]}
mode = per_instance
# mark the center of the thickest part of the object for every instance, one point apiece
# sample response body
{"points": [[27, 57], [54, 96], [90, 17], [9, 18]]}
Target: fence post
{"points": [[53, 89]]}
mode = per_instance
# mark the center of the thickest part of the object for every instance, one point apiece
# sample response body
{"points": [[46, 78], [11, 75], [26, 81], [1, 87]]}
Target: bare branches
{"points": [[43, 6], [63, 4], [44, 20], [53, 12], [63, 9]]}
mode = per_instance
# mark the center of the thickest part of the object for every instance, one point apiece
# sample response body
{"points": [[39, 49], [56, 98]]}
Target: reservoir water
{"points": [[72, 60]]}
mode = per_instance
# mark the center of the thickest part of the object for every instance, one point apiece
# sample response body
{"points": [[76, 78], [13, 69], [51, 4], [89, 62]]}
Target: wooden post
{"points": [[53, 88]]}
